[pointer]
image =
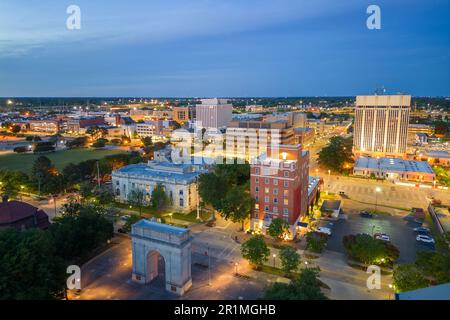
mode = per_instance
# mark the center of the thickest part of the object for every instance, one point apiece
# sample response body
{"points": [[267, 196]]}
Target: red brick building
{"points": [[279, 184]]}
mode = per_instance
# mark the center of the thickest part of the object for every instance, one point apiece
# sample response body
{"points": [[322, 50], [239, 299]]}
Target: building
{"points": [[294, 119], [415, 129], [179, 182], [74, 125], [394, 169], [279, 184], [439, 292], [46, 126], [303, 136], [435, 157], [318, 125], [213, 113], [248, 139], [21, 216], [184, 114], [381, 125]]}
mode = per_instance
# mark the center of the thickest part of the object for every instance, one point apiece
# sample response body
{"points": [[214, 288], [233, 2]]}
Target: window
{"points": [[286, 202], [257, 206], [266, 208], [266, 199], [285, 211], [256, 180], [256, 189], [181, 192], [275, 191], [286, 184], [266, 190], [117, 182], [257, 170], [117, 192], [266, 180], [256, 198], [286, 174], [286, 193], [275, 182], [181, 202], [275, 200], [275, 209]]}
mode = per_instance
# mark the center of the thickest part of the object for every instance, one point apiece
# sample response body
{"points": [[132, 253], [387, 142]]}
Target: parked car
{"points": [[424, 238], [327, 231], [382, 237], [341, 193], [125, 217], [422, 230], [120, 230], [366, 214]]}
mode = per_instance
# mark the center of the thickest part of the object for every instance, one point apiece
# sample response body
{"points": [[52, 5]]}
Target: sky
{"points": [[223, 48]]}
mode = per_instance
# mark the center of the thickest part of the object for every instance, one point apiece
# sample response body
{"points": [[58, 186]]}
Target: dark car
{"points": [[366, 214]]}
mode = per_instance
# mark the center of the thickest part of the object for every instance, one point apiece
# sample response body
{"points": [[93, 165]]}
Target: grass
{"points": [[24, 162]]}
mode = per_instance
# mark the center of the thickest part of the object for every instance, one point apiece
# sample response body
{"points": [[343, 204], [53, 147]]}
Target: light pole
{"points": [[235, 268], [377, 190], [390, 288], [274, 256]]}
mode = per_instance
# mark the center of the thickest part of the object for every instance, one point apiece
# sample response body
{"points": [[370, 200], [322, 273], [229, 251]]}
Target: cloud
{"points": [[106, 23]]}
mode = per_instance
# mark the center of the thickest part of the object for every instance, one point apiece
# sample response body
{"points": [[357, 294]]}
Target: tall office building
{"points": [[213, 113], [381, 125]]}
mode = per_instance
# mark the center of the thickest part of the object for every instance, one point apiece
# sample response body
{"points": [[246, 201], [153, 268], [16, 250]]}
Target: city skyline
{"points": [[223, 49]]}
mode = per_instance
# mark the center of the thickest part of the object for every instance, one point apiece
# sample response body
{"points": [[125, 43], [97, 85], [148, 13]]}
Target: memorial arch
{"points": [[153, 241]]}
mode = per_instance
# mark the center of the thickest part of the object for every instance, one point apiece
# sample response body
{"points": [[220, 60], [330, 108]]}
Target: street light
{"points": [[377, 190], [390, 288], [235, 268], [274, 256]]}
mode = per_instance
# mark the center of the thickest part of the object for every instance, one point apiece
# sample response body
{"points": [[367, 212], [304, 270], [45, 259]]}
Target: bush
{"points": [[316, 241], [368, 250]]}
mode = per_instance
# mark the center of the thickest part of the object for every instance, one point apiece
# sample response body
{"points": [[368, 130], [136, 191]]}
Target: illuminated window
{"points": [[286, 202]]}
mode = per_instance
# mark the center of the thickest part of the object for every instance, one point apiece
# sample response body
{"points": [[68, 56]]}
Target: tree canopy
{"points": [[255, 250], [337, 154]]}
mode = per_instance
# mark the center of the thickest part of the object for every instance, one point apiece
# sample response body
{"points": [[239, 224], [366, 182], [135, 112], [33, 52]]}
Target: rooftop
{"points": [[160, 227], [435, 154], [313, 182], [393, 165], [161, 170]]}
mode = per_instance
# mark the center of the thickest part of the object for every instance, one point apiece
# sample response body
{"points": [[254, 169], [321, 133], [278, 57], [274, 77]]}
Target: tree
{"points": [[305, 287], [211, 189], [100, 143], [368, 250], [290, 259], [132, 220], [85, 190], [41, 167], [408, 277], [237, 204], [337, 154], [15, 129], [136, 198], [316, 241], [255, 251], [29, 266], [82, 228], [278, 229], [159, 198]]}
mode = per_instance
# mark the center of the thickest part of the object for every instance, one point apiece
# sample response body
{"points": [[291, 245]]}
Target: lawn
{"points": [[24, 162]]}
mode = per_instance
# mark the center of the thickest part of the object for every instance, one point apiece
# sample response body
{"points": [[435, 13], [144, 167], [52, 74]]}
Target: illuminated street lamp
{"points": [[236, 268], [274, 256]]}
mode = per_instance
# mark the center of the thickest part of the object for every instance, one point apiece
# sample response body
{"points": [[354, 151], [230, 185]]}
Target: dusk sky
{"points": [[176, 48]]}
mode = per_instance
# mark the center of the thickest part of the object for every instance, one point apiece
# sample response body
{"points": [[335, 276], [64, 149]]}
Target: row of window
{"points": [[275, 182], [285, 173], [274, 191], [275, 200], [274, 209]]}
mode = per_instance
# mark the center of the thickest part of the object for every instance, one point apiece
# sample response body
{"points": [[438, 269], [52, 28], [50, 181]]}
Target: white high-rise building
{"points": [[213, 113], [381, 125]]}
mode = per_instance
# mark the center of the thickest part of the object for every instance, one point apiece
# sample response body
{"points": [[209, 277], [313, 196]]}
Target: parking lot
{"points": [[399, 228]]}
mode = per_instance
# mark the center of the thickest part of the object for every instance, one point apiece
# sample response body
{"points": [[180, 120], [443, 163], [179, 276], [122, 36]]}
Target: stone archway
{"points": [[151, 240], [156, 267]]}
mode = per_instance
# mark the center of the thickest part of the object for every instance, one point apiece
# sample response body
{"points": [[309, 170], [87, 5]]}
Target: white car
{"points": [[125, 217], [324, 230], [383, 237], [424, 238]]}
